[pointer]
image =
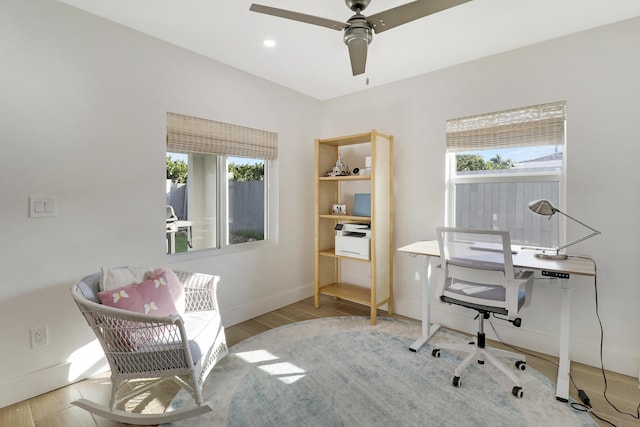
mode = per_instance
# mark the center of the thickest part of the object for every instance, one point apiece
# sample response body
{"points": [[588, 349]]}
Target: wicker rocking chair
{"points": [[183, 348]]}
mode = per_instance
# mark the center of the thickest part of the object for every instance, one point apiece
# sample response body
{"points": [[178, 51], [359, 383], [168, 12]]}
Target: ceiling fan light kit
{"points": [[359, 29]]}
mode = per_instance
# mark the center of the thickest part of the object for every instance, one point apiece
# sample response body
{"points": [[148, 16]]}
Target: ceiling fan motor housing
{"points": [[358, 29]]}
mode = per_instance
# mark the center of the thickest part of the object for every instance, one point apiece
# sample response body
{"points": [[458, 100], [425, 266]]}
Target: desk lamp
{"points": [[544, 207]]}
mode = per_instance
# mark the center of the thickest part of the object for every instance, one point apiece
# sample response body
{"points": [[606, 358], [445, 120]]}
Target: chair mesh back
{"points": [[488, 250]]}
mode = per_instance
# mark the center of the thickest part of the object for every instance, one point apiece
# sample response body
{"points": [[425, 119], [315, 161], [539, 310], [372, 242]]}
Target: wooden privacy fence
{"points": [[246, 204], [504, 206]]}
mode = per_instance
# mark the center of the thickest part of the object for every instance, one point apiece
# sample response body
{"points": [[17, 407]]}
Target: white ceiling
{"points": [[314, 60]]}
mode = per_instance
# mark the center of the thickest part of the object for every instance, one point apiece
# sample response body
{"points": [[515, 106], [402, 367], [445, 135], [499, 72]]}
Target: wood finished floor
{"points": [[54, 409]]}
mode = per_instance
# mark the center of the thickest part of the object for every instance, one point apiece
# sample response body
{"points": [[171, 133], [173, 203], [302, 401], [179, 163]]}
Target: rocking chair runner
{"points": [[138, 346]]}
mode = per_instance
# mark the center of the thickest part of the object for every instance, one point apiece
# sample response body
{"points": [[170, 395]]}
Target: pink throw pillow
{"points": [[149, 297], [175, 286]]}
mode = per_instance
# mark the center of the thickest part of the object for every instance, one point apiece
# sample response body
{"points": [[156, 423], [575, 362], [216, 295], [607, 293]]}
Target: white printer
{"points": [[353, 240]]}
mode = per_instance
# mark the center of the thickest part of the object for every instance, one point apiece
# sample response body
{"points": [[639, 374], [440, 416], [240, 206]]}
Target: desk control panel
{"points": [[556, 274]]}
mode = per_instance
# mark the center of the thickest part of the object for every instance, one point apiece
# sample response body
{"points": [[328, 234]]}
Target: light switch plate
{"points": [[40, 206]]}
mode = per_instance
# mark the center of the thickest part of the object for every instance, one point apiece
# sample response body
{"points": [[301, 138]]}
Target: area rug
{"points": [[344, 372]]}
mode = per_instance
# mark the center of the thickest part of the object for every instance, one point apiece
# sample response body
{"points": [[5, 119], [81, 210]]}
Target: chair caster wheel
{"points": [[435, 352], [517, 392], [521, 365], [456, 382]]}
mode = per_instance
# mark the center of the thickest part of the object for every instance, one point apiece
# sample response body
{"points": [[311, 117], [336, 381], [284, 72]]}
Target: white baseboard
{"points": [[264, 305], [409, 308], [34, 384]]}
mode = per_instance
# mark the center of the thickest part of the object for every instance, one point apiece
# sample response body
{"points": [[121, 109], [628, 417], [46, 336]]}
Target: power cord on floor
{"points": [[586, 402], [585, 406], [604, 373]]}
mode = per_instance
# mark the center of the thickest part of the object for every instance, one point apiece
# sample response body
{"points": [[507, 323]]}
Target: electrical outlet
{"points": [[39, 336]]}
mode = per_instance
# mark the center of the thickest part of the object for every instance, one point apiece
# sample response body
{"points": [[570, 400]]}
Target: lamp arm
{"points": [[595, 232]]}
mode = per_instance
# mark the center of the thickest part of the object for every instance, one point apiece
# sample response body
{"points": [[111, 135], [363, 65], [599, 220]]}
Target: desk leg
{"points": [[428, 329], [562, 387]]}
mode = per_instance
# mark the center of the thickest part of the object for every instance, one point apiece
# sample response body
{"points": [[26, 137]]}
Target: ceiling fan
{"points": [[358, 29]]}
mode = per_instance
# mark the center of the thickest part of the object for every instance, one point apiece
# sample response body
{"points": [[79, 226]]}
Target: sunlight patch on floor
{"points": [[286, 372]]}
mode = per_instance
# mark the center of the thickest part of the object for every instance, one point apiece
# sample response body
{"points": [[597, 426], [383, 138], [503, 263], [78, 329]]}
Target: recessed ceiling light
{"points": [[269, 43]]}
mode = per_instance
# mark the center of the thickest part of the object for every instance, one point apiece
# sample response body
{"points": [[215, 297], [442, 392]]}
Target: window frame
{"points": [[452, 179], [222, 211]]}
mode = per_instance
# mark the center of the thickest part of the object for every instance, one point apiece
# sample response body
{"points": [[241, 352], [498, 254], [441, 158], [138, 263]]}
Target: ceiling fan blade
{"points": [[408, 12], [358, 55], [301, 17]]}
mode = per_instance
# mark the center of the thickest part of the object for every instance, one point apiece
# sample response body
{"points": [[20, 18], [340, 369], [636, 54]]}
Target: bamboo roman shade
{"points": [[187, 134], [520, 127]]}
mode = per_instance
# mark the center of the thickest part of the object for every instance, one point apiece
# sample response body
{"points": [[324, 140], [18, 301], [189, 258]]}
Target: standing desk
{"points": [[524, 259]]}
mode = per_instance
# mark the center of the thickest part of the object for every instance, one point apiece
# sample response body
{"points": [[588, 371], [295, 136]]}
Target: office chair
{"points": [[478, 274]]}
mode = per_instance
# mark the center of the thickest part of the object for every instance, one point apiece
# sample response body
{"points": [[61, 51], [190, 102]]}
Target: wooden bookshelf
{"points": [[377, 289]]}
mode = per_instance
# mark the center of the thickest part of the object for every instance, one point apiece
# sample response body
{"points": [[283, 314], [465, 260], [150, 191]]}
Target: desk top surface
{"points": [[525, 258]]}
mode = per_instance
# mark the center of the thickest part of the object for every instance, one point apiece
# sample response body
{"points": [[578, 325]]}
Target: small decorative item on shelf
{"points": [[340, 169], [366, 170], [339, 209]]}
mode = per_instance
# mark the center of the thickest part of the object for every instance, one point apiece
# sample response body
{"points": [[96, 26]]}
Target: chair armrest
{"points": [[512, 292], [200, 290], [124, 332]]}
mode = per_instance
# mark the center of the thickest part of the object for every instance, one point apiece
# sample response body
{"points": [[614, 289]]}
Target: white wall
{"points": [[596, 72], [83, 105]]}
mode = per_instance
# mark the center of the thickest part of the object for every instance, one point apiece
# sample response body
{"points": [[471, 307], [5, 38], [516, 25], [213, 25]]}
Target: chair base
{"points": [[486, 354], [141, 419]]}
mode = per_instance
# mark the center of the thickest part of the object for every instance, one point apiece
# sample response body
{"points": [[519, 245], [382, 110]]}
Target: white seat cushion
{"points": [[202, 329]]}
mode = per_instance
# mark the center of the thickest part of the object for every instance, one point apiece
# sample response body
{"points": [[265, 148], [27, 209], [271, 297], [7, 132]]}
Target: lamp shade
{"points": [[542, 207]]}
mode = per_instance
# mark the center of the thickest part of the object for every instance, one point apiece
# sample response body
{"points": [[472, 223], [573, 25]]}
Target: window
{"points": [[218, 178], [497, 163]]}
